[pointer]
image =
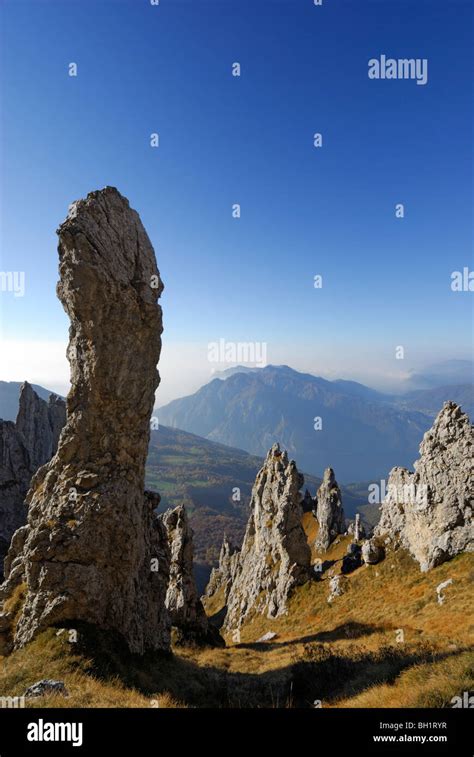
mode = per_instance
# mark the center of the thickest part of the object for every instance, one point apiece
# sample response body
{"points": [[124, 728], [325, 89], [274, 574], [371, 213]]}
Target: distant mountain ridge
{"points": [[364, 432], [213, 480]]}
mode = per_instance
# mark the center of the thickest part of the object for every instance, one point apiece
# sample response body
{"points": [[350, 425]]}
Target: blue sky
{"points": [[247, 140]]}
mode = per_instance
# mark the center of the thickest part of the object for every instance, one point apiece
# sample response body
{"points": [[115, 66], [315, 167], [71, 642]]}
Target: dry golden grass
{"points": [[214, 604], [50, 656], [15, 601], [347, 654], [423, 685]]}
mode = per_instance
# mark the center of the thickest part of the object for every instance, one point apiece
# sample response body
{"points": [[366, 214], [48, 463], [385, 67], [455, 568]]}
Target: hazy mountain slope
{"points": [[444, 373], [361, 437], [430, 401]]}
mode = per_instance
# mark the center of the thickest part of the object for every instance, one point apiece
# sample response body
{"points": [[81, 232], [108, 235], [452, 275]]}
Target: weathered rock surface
{"points": [[46, 687], [430, 511], [275, 556], [25, 445], [372, 552], [182, 601], [336, 588], [330, 513], [92, 537], [40, 423], [221, 577], [15, 476]]}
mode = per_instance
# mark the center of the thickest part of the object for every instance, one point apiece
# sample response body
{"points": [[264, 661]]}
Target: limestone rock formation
{"points": [[336, 587], [182, 601], [40, 423], [275, 556], [221, 577], [93, 549], [329, 513], [430, 511], [356, 529], [15, 476], [25, 445], [372, 552]]}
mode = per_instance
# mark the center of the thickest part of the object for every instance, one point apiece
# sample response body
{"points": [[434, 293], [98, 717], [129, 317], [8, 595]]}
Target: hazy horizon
{"points": [[28, 364]]}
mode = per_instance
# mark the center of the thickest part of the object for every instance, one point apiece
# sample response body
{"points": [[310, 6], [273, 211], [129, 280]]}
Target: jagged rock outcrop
{"points": [[329, 513], [93, 549], [221, 577], [182, 601], [40, 423], [25, 445], [275, 556], [430, 511]]}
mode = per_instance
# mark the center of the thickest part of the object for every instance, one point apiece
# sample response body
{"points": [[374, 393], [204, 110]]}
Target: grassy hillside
{"points": [[344, 654]]}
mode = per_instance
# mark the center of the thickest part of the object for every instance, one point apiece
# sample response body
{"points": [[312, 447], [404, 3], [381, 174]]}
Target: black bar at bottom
{"points": [[408, 731]]}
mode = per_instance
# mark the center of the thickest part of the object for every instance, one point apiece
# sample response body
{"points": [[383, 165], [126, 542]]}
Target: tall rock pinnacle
{"points": [[329, 511], [93, 549], [182, 600], [275, 555], [221, 578], [430, 511]]}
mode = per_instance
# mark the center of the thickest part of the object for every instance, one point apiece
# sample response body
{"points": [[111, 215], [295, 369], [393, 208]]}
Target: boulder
{"points": [[372, 552], [46, 687]]}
